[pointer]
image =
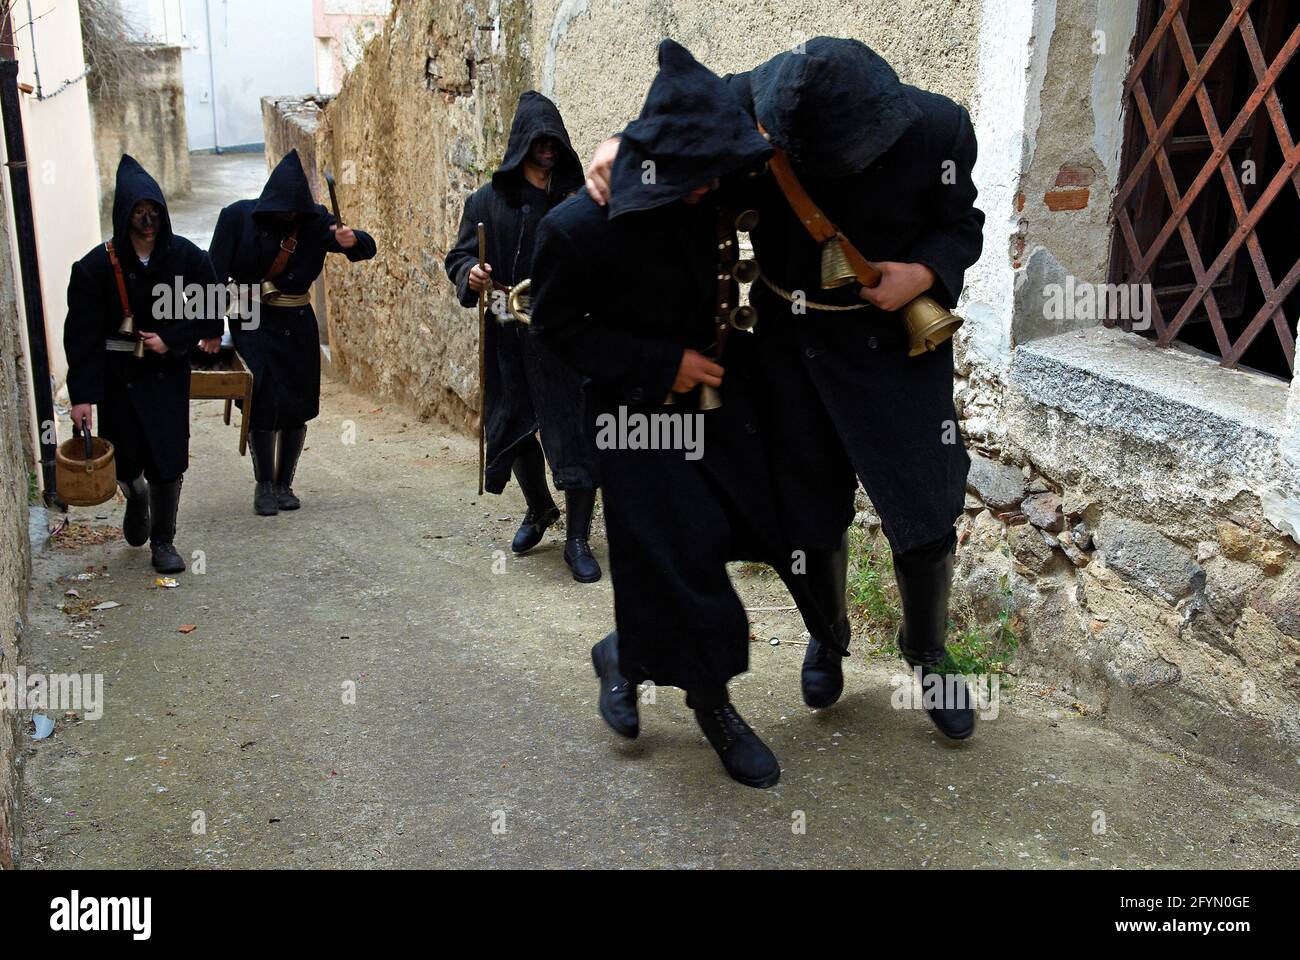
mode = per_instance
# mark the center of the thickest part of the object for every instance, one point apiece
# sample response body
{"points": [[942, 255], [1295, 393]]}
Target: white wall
{"points": [[236, 52], [60, 155], [156, 21]]}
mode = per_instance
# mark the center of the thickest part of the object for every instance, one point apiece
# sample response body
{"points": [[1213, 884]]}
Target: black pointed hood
{"points": [[287, 189], [134, 184], [833, 107], [536, 116], [692, 129]]}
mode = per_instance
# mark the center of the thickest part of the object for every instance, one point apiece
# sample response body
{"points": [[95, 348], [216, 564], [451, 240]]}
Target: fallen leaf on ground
{"points": [[187, 628], [74, 535]]}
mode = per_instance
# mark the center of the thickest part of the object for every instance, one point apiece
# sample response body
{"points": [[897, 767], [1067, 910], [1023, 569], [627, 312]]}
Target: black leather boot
{"points": [[290, 449], [135, 525], [164, 500], [617, 694], [530, 471], [578, 505], [822, 678], [261, 449], [924, 580], [744, 756]]}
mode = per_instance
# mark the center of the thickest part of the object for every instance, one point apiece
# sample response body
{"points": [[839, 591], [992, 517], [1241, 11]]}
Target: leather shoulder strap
{"points": [[818, 225], [121, 282], [287, 246]]}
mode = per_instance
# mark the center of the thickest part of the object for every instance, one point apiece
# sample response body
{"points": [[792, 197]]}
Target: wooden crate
{"points": [[228, 379]]}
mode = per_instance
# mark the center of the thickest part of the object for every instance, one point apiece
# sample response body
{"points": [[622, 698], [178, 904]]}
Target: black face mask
{"points": [[145, 220], [535, 152]]}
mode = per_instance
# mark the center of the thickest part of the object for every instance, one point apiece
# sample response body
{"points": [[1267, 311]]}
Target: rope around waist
{"points": [[811, 304]]}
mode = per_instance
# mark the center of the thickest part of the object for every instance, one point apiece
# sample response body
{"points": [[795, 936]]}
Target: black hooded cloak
{"points": [[283, 348], [621, 292], [526, 388], [891, 166], [143, 404]]}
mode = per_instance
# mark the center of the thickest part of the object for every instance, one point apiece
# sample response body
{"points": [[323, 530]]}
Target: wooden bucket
{"points": [[84, 473]]}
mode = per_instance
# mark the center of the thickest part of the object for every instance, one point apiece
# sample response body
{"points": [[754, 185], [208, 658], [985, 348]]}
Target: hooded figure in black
{"points": [[526, 388], [144, 403], [890, 165], [280, 341], [674, 517]]}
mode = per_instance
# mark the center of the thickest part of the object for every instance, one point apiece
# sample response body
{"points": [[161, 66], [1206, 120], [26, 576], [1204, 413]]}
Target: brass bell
{"points": [[836, 271], [743, 318], [519, 302], [928, 325], [127, 329], [746, 220], [745, 271], [710, 397]]}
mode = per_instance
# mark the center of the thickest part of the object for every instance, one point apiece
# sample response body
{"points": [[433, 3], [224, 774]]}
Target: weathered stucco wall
{"points": [[596, 58], [416, 128], [149, 124], [15, 556]]}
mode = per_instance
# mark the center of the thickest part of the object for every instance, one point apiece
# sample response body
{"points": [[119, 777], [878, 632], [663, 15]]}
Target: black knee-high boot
{"points": [[286, 463], [135, 525], [261, 449], [578, 505], [822, 677], [530, 471], [924, 578], [164, 500]]}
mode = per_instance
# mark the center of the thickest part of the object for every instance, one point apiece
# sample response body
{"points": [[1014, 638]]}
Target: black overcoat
{"points": [[527, 388], [143, 405], [672, 522], [891, 166], [281, 345]]}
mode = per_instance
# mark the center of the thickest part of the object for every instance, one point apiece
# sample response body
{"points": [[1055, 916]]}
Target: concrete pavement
{"points": [[375, 681], [473, 739]]}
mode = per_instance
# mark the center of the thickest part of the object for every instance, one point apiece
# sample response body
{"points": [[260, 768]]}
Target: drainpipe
{"points": [[212, 76], [28, 264]]}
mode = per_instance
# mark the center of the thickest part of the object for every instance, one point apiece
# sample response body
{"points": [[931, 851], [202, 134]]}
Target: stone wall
{"points": [[15, 554], [149, 124], [419, 123], [1139, 503]]}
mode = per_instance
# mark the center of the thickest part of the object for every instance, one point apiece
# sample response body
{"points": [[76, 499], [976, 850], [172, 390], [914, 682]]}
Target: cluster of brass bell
{"points": [[127, 329], [519, 302], [742, 317], [928, 324]]}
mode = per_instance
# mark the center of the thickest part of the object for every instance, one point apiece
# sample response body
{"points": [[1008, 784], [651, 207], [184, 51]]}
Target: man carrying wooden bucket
{"points": [[128, 355]]}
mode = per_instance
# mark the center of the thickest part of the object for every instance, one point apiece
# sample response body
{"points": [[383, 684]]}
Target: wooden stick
{"points": [[482, 359]]}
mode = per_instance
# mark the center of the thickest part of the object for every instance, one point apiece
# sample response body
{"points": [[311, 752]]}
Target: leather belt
{"points": [[272, 296]]}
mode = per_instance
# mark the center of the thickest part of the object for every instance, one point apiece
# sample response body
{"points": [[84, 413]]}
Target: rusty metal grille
{"points": [[1209, 156]]}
